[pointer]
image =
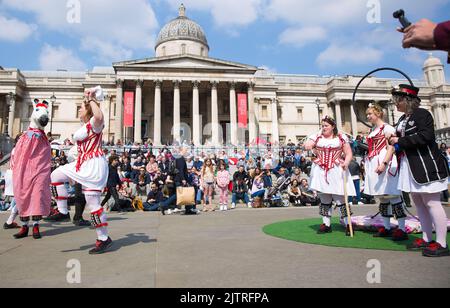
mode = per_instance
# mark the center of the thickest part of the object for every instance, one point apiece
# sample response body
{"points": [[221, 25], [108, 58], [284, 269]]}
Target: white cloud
{"points": [[317, 12], [129, 25], [234, 13], [106, 52], [54, 58], [15, 30], [339, 55], [300, 37]]}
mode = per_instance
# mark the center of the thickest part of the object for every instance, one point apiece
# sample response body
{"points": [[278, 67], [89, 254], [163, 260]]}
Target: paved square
{"points": [[225, 250]]}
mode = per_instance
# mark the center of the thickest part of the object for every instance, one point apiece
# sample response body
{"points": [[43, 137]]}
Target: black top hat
{"points": [[406, 90]]}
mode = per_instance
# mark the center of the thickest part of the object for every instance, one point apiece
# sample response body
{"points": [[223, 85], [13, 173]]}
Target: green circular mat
{"points": [[305, 231]]}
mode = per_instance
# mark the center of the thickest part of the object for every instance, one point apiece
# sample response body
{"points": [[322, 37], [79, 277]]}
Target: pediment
{"points": [[180, 62]]}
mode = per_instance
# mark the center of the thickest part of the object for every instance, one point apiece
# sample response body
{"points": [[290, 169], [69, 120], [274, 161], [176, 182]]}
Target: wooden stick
{"points": [[347, 206]]}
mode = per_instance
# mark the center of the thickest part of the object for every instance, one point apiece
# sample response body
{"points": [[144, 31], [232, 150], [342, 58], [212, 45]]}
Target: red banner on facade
{"points": [[242, 110], [128, 109]]}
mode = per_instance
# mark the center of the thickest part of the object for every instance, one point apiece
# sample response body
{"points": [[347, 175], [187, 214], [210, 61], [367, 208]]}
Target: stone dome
{"points": [[182, 28], [432, 61]]}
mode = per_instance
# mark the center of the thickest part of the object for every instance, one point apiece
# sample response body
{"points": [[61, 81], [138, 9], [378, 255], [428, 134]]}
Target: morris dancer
{"points": [[382, 175], [90, 169], [423, 169], [31, 168], [334, 154]]}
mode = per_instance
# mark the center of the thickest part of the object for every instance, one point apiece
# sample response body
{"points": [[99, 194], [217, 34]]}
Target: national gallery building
{"points": [[182, 94]]}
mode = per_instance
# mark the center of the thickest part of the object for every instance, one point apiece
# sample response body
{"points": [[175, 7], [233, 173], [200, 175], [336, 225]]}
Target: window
{"points": [[202, 51], [321, 113], [264, 113], [300, 114], [283, 139], [280, 113], [183, 49], [55, 110], [300, 138], [78, 112], [226, 107], [164, 51]]}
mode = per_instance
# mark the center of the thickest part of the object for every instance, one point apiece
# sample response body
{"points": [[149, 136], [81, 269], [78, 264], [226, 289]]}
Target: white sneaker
{"points": [[221, 208], [250, 206], [233, 206], [169, 212], [360, 203], [225, 208]]}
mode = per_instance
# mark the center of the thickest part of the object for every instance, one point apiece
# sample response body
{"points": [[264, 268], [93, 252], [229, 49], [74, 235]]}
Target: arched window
{"points": [[183, 49]]}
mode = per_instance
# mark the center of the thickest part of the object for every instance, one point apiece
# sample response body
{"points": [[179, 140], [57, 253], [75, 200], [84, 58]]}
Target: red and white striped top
{"points": [[89, 147], [377, 143], [328, 157]]}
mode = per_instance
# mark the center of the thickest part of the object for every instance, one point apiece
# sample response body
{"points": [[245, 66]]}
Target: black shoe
{"points": [[58, 217], [11, 226], [347, 231], [324, 229], [399, 236], [82, 223], [383, 232], [162, 210], [23, 233], [101, 247], [418, 245], [435, 250], [190, 213]]}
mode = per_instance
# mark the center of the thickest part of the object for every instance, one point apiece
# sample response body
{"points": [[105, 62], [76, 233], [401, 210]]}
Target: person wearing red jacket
{"points": [[427, 35]]}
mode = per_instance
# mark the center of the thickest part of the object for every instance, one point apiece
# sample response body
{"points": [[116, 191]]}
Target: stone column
{"points": [[138, 112], [354, 119], [11, 99], [337, 104], [176, 112], [157, 114], [251, 112], [442, 123], [106, 109], [196, 113], [233, 115], [2, 115], [447, 111], [119, 111], [215, 114], [330, 110], [275, 129]]}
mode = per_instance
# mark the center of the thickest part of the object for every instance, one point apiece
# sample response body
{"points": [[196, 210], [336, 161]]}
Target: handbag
{"points": [[185, 196]]}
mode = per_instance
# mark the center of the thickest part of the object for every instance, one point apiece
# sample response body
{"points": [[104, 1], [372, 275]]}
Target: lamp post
{"points": [[53, 101], [10, 100], [108, 99], [392, 109], [318, 111]]}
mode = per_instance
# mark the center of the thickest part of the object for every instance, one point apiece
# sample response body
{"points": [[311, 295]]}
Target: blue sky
{"points": [[317, 37]]}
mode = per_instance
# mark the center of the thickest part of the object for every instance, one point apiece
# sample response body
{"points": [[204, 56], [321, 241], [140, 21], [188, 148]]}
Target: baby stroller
{"points": [[277, 196]]}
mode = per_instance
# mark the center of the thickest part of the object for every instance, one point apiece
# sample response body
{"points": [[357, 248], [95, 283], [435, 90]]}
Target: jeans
{"points": [[169, 202], [259, 194], [151, 207], [236, 197], [357, 199]]}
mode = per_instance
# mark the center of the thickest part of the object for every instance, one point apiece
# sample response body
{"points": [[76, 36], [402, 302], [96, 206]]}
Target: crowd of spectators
{"points": [[146, 177]]}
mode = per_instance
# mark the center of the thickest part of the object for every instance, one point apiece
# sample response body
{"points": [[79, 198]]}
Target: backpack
{"points": [[137, 204]]}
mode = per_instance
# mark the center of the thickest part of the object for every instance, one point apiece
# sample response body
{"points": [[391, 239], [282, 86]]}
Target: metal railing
{"points": [[443, 135]]}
